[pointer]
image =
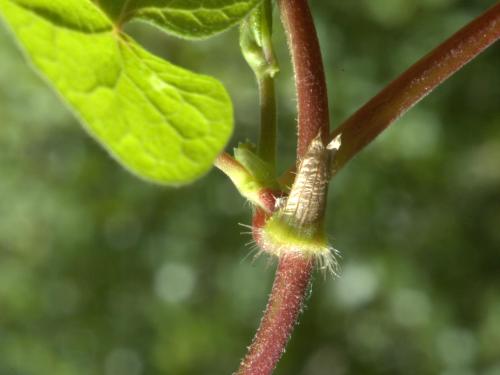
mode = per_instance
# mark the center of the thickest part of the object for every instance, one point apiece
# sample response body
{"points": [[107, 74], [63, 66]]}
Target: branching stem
{"points": [[415, 83], [412, 86], [293, 276]]}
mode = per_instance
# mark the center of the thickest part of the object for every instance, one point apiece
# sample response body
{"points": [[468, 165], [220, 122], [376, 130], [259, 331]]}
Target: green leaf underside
{"points": [[186, 18], [162, 122]]}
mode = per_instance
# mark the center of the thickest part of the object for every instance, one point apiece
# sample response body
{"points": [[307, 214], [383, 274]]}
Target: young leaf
{"points": [[185, 18], [162, 122]]}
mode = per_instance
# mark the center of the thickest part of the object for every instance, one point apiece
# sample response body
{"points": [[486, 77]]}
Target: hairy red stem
{"points": [[292, 281], [310, 82], [415, 83], [293, 276], [357, 131]]}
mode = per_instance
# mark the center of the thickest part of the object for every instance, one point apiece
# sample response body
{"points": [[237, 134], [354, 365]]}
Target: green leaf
{"points": [[162, 122], [186, 18]]}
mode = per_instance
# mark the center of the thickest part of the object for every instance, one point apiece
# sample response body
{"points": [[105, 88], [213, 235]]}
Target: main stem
{"points": [[293, 275], [292, 281], [413, 85], [310, 84]]}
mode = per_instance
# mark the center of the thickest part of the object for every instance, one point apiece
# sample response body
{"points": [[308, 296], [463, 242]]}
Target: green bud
{"points": [[260, 170], [255, 41]]}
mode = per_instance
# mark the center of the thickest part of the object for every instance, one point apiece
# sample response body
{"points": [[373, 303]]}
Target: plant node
{"points": [[297, 227]]}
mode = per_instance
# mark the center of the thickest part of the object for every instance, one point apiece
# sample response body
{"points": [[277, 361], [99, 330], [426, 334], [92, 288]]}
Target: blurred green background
{"points": [[101, 273]]}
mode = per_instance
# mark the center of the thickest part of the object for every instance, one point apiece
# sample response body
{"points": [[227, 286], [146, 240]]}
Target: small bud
{"points": [[261, 171], [255, 41], [252, 176]]}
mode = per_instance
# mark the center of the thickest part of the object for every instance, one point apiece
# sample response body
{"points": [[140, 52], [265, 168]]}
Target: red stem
{"points": [[291, 284], [414, 84], [293, 276], [309, 73]]}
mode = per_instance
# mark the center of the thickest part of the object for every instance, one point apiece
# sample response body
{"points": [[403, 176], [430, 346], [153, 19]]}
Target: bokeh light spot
{"points": [[174, 282], [357, 286]]}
